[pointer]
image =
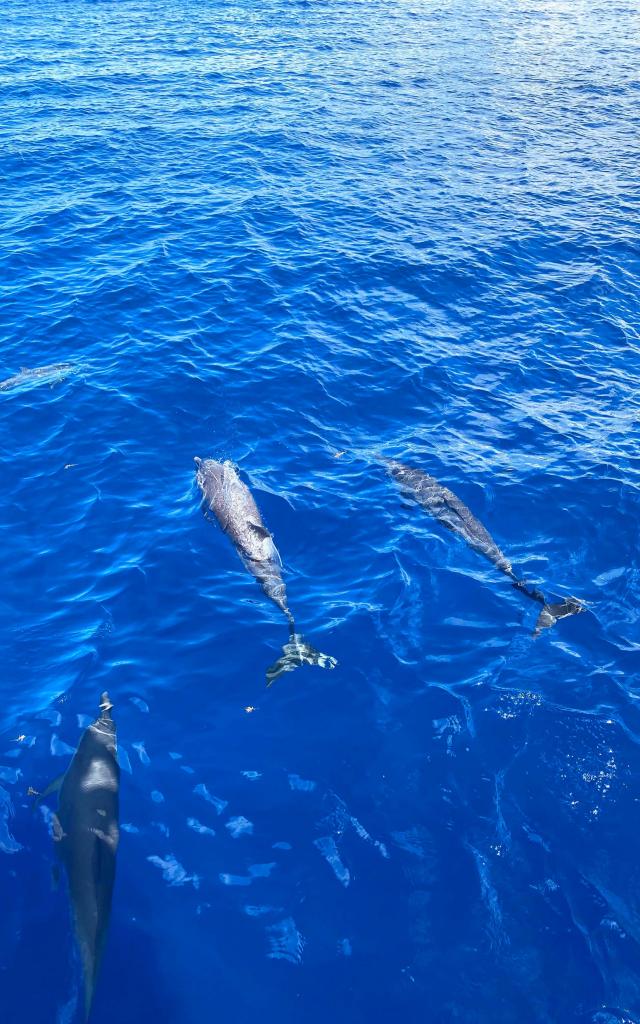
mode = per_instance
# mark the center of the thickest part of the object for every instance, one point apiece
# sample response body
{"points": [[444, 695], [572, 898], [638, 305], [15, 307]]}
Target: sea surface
{"points": [[302, 236]]}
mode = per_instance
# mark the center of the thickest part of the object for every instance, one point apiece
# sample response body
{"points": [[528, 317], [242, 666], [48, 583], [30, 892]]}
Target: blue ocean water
{"points": [[300, 235]]}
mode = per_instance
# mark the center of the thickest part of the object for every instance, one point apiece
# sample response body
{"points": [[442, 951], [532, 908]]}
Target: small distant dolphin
{"points": [[86, 833], [234, 507], [38, 375], [448, 509]]}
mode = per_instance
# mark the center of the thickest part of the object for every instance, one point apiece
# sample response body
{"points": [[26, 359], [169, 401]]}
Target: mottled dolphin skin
{"points": [[86, 833], [448, 509], [38, 375], [233, 505]]}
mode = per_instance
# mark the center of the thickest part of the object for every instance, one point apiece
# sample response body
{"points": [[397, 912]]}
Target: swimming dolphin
{"points": [[448, 509], [86, 833], [234, 507], [38, 375]]}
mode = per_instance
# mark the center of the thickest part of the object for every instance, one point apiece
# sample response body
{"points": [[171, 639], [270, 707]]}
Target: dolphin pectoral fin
{"points": [[58, 831], [295, 653], [53, 787]]}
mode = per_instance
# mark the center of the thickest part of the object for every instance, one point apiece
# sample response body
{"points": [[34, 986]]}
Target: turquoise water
{"points": [[300, 236]]}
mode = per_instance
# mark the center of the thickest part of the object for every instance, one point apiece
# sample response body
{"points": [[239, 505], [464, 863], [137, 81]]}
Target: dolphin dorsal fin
{"points": [[269, 550], [260, 531], [53, 787]]}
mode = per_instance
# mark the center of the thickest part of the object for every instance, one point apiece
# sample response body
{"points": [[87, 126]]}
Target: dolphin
{"points": [[234, 506], [448, 509], [86, 833], [38, 375]]}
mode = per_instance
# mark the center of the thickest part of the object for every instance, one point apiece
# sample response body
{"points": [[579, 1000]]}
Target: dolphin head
{"points": [[403, 475], [209, 473]]}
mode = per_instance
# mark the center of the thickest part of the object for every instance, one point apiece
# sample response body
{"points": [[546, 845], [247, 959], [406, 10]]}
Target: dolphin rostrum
{"points": [[448, 509], [234, 507], [86, 833]]}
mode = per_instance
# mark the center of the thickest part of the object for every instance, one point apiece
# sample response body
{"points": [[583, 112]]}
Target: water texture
{"points": [[301, 235]]}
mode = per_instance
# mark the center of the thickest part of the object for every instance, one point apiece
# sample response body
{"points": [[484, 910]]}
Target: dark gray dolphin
{"points": [[448, 509], [86, 833], [38, 375], [233, 505]]}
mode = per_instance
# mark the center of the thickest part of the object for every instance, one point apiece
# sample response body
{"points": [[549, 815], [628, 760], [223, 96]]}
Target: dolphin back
{"points": [[234, 506], [37, 375], [86, 830], [448, 509]]}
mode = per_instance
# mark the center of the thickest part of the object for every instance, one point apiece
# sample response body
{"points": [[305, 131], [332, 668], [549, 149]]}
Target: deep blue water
{"points": [[299, 235]]}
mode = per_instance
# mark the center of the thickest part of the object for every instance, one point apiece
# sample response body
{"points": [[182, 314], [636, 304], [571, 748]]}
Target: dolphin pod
{"points": [[86, 833], [234, 506], [448, 509], [86, 824]]}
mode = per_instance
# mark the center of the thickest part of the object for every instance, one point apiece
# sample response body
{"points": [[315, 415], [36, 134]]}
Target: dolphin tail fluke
{"points": [[550, 613], [295, 653]]}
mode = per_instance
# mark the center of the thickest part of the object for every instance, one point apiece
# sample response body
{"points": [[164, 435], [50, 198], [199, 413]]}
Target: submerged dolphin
{"points": [[448, 509], [38, 375], [234, 507], [86, 833]]}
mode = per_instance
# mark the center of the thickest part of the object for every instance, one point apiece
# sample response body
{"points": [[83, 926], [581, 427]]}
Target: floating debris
{"points": [[59, 748], [329, 850], [285, 941], [239, 826], [201, 790], [7, 843], [173, 872], [142, 754], [255, 871], [254, 911], [304, 785], [197, 826], [123, 759]]}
